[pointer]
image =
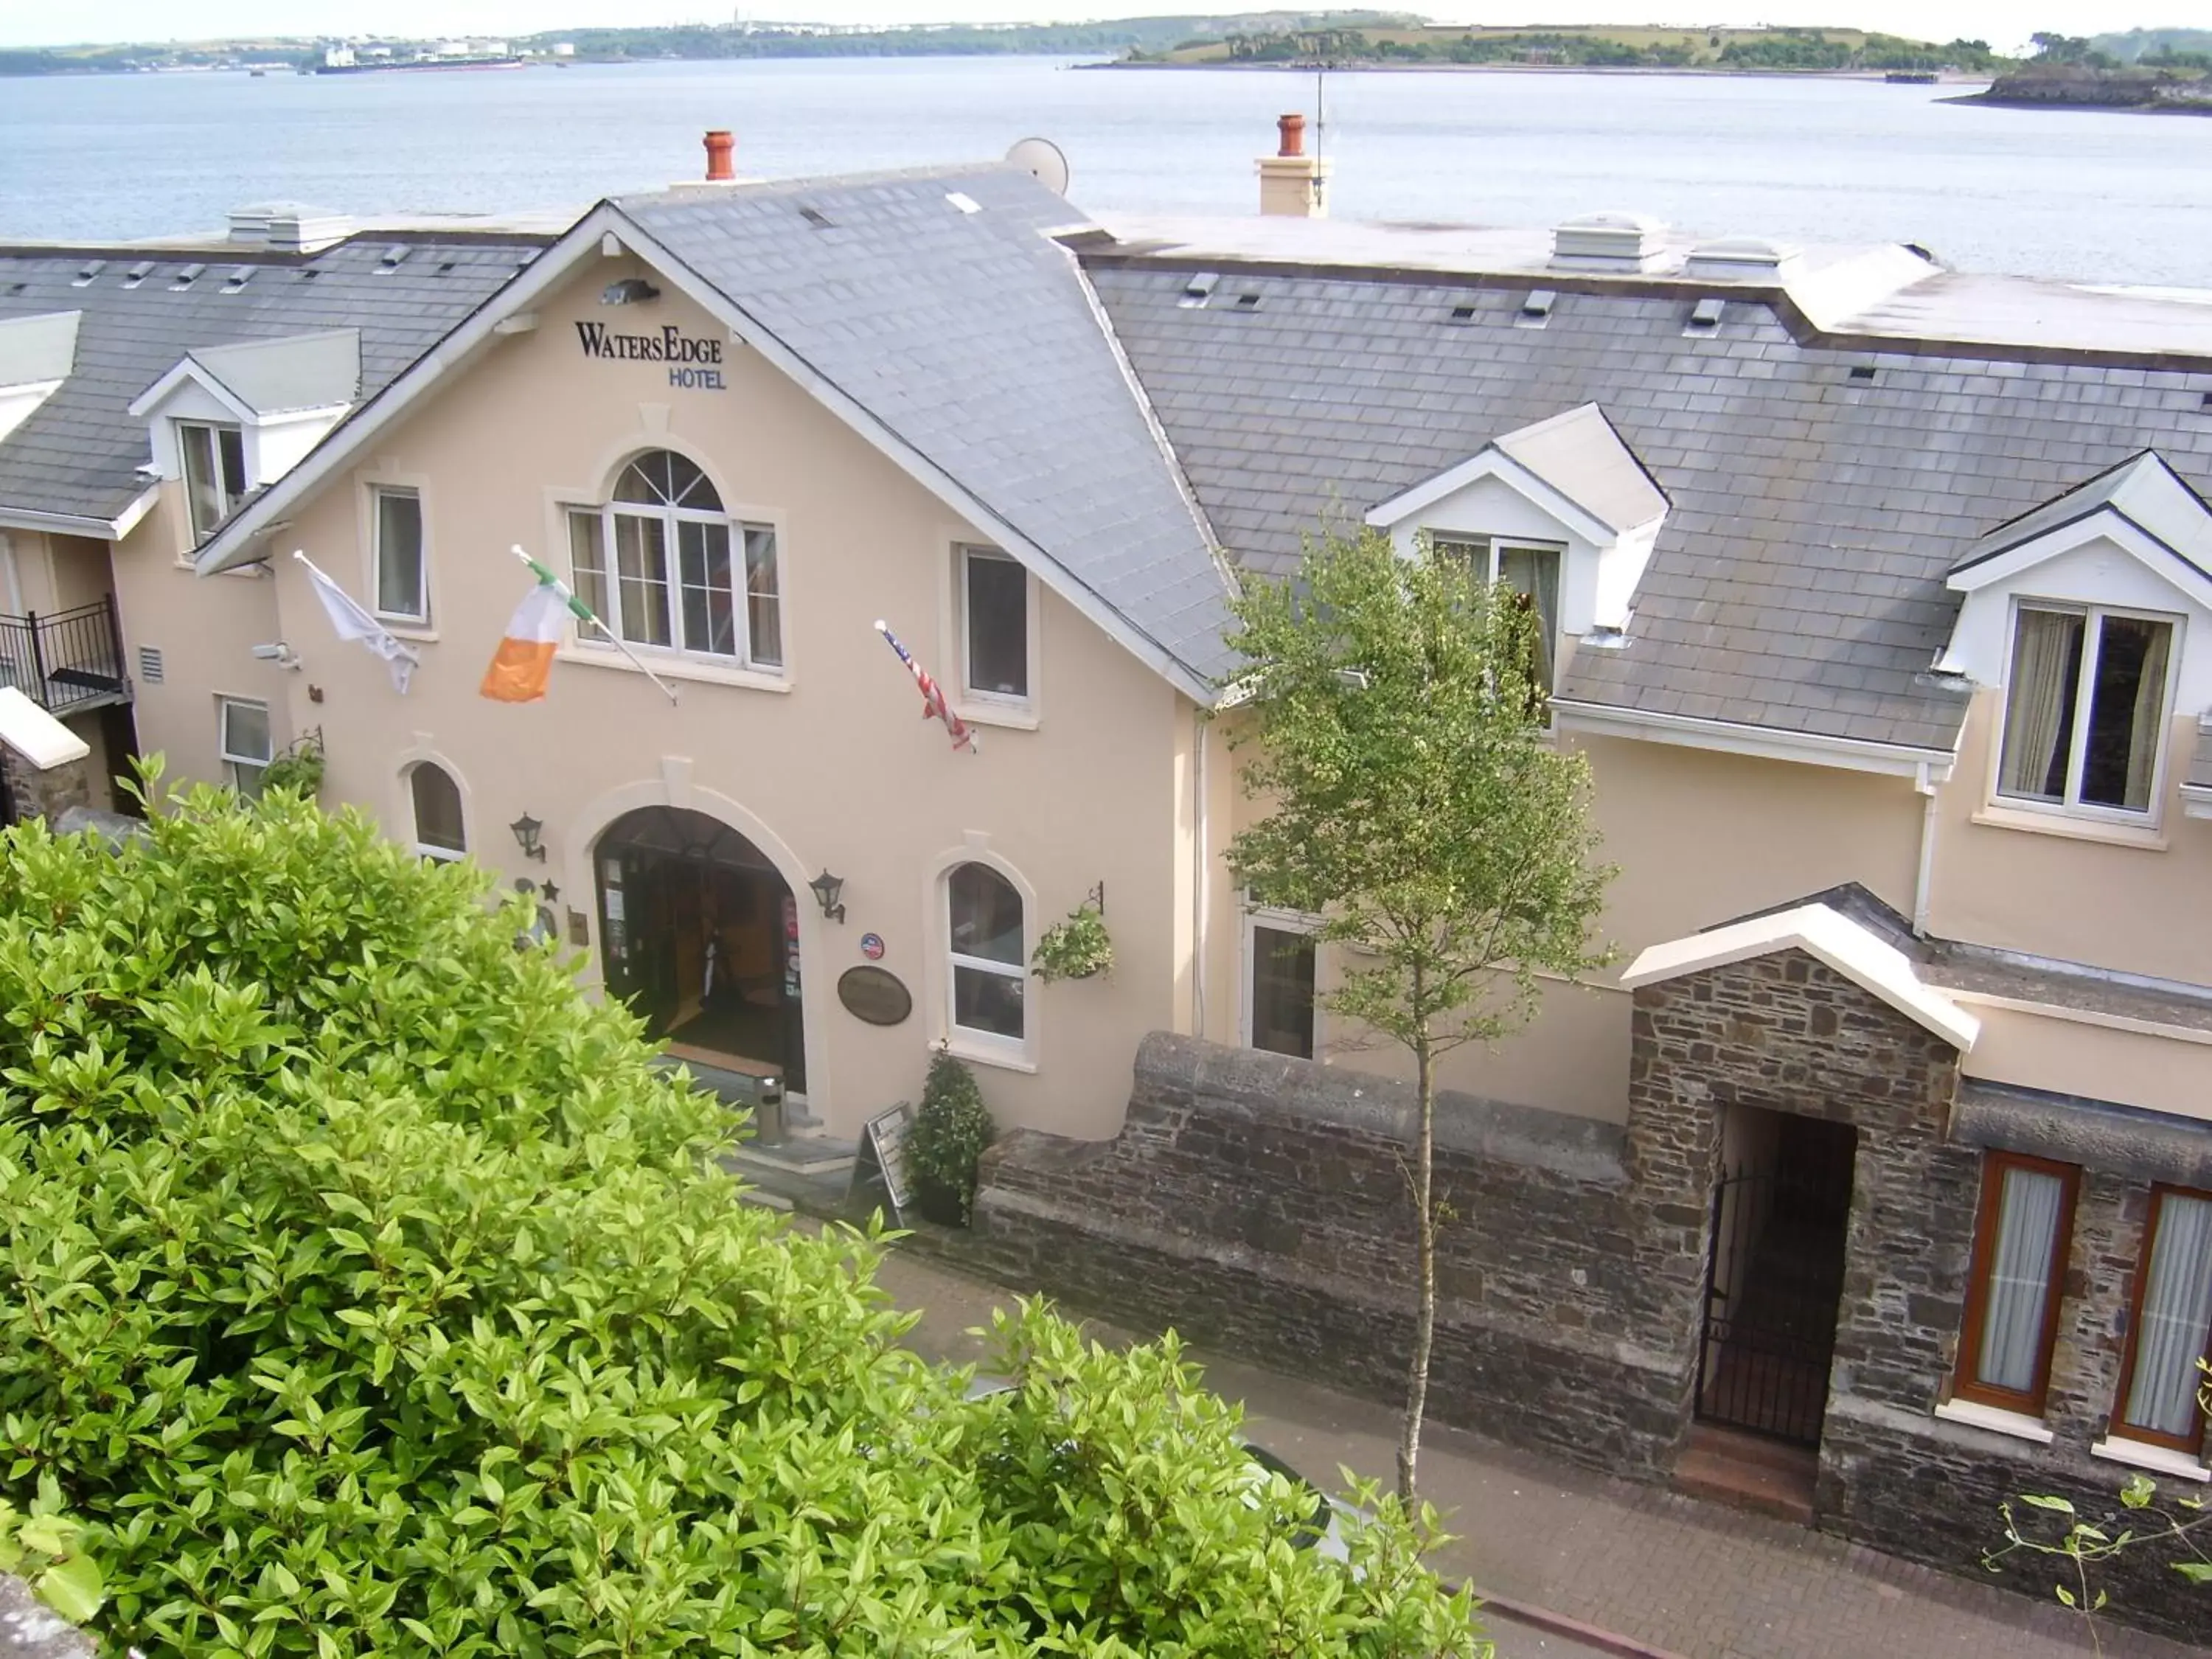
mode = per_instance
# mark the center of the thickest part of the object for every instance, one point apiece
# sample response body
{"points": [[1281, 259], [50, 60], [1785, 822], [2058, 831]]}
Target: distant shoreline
{"points": [[1697, 71], [1993, 100]]}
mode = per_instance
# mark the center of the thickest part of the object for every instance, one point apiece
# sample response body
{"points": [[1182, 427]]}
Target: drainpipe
{"points": [[14, 579], [1197, 886], [1923, 882]]}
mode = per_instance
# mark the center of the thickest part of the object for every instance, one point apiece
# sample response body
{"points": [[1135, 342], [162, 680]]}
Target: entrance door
{"points": [[700, 935], [1774, 1279]]}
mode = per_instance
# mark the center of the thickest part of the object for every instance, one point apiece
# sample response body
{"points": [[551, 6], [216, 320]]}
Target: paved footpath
{"points": [[1669, 1575]]}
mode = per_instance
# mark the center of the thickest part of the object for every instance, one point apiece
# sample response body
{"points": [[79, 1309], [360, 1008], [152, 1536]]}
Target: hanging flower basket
{"points": [[1076, 948]]}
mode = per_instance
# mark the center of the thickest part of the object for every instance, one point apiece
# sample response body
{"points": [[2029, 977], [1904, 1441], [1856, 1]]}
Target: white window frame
{"points": [[980, 697], [2073, 806], [1257, 916], [1494, 548], [736, 524], [215, 431], [232, 760], [423, 848], [422, 617], [967, 1041]]}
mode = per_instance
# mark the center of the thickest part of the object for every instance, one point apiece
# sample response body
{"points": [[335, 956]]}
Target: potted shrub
{"points": [[951, 1129], [1076, 948], [299, 770]]}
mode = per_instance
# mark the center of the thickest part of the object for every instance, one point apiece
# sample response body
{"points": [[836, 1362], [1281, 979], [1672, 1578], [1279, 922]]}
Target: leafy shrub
{"points": [[1075, 948], [46, 1548], [299, 768], [368, 1291], [951, 1130]]}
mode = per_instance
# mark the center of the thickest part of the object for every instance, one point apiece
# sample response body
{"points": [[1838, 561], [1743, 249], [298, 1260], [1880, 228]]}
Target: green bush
{"points": [[951, 1130], [368, 1291]]}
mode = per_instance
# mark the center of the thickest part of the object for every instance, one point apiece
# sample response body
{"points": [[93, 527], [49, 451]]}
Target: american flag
{"points": [[933, 706]]}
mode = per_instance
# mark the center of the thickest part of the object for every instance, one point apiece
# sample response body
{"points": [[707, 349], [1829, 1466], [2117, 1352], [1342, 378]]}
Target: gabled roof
{"points": [[2143, 492], [73, 464], [35, 349], [1849, 946], [1573, 465], [298, 372], [935, 314]]}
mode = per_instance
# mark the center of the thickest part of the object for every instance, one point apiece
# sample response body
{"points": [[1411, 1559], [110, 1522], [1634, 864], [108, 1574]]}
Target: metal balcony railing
{"points": [[66, 660]]}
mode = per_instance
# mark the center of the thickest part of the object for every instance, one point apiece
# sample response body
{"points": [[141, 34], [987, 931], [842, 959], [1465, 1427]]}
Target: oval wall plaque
{"points": [[874, 994]]}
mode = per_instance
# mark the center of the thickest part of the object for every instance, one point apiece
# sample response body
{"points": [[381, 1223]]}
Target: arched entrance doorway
{"points": [[700, 935]]}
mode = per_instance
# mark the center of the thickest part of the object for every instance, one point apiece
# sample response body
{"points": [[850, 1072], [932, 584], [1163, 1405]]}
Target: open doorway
{"points": [[1774, 1280], [700, 935]]}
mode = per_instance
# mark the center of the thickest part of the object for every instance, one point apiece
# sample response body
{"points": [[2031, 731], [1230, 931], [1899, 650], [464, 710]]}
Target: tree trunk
{"points": [[1424, 1237]]}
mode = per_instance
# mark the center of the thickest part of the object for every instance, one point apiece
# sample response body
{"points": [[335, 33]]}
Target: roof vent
{"points": [[815, 216], [1199, 290], [1862, 372], [138, 273], [239, 278], [87, 271], [1609, 242], [186, 277], [391, 257], [1536, 310], [964, 201], [447, 267], [1706, 315], [1741, 260], [1248, 302], [1462, 314]]}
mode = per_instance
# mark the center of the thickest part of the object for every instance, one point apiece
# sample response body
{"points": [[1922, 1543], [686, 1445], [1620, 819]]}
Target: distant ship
{"points": [[452, 55]]}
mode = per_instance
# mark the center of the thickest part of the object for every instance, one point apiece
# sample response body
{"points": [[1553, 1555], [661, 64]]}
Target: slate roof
{"points": [[78, 455], [972, 338], [1580, 455], [298, 371], [2142, 489], [1798, 582]]}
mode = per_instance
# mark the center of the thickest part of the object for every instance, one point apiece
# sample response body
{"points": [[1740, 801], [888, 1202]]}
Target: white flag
{"points": [[353, 622]]}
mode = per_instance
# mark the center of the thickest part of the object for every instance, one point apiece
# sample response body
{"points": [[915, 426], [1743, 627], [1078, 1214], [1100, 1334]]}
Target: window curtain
{"points": [[2038, 701], [2011, 1354], [2146, 730], [1533, 573], [2176, 1318]]}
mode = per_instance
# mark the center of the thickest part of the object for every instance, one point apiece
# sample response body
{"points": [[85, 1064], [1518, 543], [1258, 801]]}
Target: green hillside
{"points": [[1603, 46]]}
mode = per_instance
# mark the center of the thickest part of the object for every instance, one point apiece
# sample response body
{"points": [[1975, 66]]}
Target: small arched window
{"points": [[663, 564], [983, 916], [437, 798]]}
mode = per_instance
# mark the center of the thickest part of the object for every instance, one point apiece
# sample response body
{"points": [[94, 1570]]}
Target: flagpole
{"points": [[583, 612]]}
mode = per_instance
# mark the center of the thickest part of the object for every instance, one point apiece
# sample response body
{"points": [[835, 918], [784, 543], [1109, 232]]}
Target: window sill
{"points": [[1012, 716], [2159, 1460], [2144, 838], [1996, 1419], [400, 628], [984, 1052], [675, 668]]}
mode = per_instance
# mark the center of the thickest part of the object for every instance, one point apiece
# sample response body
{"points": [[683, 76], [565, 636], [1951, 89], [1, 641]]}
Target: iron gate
{"points": [[1774, 1280]]}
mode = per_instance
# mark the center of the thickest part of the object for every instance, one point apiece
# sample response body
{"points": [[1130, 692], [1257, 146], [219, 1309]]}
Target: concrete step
{"points": [[813, 1156], [1749, 1472]]}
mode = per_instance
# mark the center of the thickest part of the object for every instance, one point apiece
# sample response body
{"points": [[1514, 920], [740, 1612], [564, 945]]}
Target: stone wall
{"points": [[1259, 1203], [36, 794]]}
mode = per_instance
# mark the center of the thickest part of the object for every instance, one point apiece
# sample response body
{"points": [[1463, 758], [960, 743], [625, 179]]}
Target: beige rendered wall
{"points": [[205, 630], [1701, 838], [2021, 882], [834, 771]]}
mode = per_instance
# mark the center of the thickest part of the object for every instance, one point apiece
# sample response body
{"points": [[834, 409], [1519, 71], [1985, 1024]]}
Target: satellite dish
{"points": [[1041, 159]]}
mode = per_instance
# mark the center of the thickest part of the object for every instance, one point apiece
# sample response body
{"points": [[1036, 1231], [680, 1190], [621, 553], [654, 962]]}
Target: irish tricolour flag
{"points": [[524, 662]]}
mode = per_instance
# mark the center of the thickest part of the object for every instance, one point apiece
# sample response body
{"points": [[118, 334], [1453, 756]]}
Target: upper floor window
{"points": [[2172, 1329], [663, 565], [1527, 570], [2084, 713], [437, 802], [244, 742], [402, 580], [984, 937], [214, 459], [2020, 1238], [995, 607]]}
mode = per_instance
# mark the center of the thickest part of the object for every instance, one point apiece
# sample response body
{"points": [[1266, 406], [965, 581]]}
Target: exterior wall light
{"points": [[630, 291], [527, 831], [827, 889]]}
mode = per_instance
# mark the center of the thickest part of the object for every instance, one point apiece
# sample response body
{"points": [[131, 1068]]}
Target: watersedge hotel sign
{"points": [[693, 362]]}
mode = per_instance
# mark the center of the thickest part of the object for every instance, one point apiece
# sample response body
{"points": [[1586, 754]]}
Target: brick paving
{"points": [[1674, 1573]]}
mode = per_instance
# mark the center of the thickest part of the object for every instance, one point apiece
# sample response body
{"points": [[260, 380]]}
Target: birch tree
{"points": [[1418, 808]]}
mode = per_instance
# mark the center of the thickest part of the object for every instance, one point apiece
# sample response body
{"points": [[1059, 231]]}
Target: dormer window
{"points": [[1527, 570], [2085, 709], [214, 458]]}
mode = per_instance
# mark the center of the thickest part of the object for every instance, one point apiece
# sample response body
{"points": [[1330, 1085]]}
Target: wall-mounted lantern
{"points": [[527, 831], [827, 889]]}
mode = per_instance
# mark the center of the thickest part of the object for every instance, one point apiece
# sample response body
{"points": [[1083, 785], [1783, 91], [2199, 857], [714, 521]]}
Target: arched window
{"points": [[984, 937], [437, 798], [664, 565]]}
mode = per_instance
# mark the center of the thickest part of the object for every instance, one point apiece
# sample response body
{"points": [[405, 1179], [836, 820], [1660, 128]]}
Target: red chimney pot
{"points": [[720, 146], [1293, 129]]}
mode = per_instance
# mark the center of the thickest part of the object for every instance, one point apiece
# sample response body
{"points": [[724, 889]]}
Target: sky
{"points": [[2003, 23]]}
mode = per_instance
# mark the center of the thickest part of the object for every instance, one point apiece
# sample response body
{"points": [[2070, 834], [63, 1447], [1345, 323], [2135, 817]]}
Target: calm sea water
{"points": [[2107, 197]]}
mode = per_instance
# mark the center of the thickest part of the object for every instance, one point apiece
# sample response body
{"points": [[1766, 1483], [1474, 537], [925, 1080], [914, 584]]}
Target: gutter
{"points": [[1924, 766], [79, 524]]}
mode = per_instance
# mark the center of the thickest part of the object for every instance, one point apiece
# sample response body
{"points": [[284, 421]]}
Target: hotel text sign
{"points": [[693, 363]]}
